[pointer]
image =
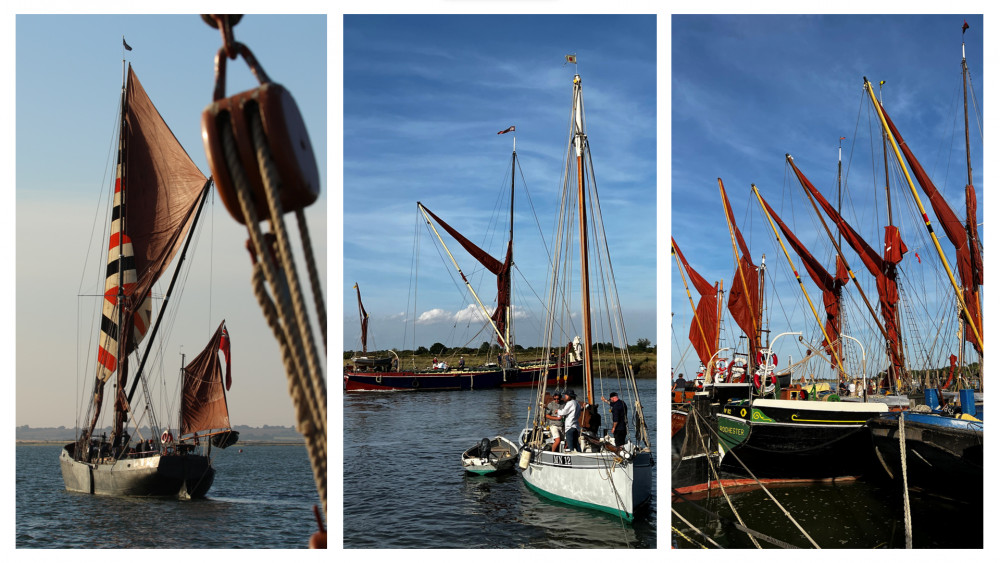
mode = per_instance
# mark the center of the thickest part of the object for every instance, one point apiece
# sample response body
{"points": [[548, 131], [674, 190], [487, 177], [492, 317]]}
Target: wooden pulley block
{"points": [[286, 139]]}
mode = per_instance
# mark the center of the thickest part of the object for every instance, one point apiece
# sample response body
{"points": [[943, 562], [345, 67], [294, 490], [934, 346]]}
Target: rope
{"points": [[314, 284], [767, 492], [716, 475], [690, 525], [773, 541], [310, 412], [908, 524]]}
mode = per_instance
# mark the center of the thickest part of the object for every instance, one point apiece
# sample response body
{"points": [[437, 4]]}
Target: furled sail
{"points": [[156, 191], [970, 273], [884, 269], [831, 286], [500, 269], [203, 399], [744, 293], [704, 332], [364, 322]]}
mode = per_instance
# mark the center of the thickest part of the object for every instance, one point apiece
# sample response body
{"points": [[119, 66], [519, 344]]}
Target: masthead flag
{"points": [[507, 130], [127, 48], [571, 59]]}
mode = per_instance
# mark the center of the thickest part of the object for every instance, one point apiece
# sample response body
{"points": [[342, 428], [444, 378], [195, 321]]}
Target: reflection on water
{"points": [[404, 485], [850, 514]]}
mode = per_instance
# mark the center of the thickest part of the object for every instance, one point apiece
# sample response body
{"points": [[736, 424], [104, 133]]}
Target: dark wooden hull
{"points": [[797, 439], [180, 476], [454, 380], [943, 455], [451, 380]]}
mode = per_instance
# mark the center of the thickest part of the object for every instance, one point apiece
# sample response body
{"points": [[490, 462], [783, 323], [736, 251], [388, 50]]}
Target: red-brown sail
{"points": [[884, 269], [744, 293], [704, 332], [500, 269], [203, 398], [830, 285], [954, 229], [156, 193], [364, 322]]}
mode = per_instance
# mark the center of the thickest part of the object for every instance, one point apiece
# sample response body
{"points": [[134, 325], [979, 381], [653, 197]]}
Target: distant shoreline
{"points": [[241, 443]]}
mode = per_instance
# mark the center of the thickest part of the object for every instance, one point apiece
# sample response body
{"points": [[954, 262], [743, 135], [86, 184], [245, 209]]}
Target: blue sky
{"points": [[424, 97], [68, 79], [746, 90]]}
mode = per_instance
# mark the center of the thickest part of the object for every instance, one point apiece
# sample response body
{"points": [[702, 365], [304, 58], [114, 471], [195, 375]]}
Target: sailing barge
{"points": [[158, 196]]}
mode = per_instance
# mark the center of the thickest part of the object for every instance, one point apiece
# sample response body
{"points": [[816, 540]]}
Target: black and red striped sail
{"points": [[156, 190]]}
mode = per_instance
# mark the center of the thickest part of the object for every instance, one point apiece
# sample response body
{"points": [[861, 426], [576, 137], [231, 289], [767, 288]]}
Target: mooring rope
{"points": [[907, 523], [767, 492]]}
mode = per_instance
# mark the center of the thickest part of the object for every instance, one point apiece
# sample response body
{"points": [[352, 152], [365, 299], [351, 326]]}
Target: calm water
{"points": [[252, 504], [404, 485], [852, 514]]}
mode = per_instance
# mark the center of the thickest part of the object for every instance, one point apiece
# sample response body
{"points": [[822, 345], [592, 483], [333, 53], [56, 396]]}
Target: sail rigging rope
{"points": [[291, 328]]}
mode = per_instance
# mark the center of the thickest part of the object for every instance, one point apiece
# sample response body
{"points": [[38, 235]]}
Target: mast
{"points": [[771, 216], [930, 230], [510, 244], [580, 140]]}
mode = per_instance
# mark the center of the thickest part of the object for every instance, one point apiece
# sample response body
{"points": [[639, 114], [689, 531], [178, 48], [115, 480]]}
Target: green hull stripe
{"points": [[582, 504]]}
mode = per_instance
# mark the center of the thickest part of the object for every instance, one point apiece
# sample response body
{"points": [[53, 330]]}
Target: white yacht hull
{"points": [[596, 480]]}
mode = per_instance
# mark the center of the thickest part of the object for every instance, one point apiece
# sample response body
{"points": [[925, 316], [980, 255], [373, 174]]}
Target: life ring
{"points": [[760, 358], [761, 383], [415, 383], [378, 378], [166, 437]]}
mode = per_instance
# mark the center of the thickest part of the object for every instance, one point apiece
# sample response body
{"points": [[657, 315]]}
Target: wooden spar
{"points": [[701, 330], [739, 270], [885, 160], [798, 278], [580, 139], [170, 289], [927, 221], [840, 253], [510, 293], [486, 312]]}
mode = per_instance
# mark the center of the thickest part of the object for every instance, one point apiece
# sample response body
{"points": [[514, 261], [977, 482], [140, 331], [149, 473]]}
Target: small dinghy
{"points": [[490, 455]]}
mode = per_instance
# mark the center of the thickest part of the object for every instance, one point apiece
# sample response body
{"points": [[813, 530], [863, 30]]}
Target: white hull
{"points": [[597, 480]]}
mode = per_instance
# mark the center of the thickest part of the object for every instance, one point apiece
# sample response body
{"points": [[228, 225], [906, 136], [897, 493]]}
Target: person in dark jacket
{"points": [[619, 419]]}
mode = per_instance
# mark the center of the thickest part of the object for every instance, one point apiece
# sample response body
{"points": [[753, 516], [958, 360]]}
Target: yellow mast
{"points": [[798, 278], [927, 221], [701, 329], [739, 270]]}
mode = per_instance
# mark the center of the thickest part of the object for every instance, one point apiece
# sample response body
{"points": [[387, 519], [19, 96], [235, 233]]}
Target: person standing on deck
{"points": [[555, 421], [619, 419], [571, 414]]}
